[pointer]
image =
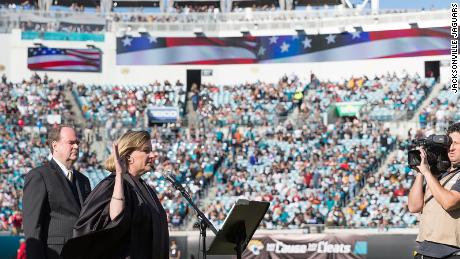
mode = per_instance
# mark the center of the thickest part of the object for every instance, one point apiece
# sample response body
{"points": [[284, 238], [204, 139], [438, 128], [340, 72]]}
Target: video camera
{"points": [[436, 148]]}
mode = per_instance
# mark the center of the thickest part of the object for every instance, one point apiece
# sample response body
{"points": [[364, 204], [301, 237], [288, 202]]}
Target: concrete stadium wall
{"points": [[4, 53], [13, 57]]}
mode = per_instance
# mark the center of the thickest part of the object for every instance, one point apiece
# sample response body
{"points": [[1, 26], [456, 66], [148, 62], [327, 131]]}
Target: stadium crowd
{"points": [[298, 170], [442, 110], [99, 103], [258, 104], [310, 172], [26, 110], [194, 8], [61, 27], [387, 97], [383, 202]]}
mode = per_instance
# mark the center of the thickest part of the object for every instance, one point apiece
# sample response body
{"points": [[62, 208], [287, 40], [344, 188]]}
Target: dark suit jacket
{"points": [[51, 208]]}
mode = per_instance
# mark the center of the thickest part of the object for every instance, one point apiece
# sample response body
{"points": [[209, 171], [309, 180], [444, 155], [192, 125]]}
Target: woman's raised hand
{"points": [[120, 162]]}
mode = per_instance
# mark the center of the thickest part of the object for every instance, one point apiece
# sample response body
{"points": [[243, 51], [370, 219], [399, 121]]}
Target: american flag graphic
{"points": [[57, 59], [149, 50]]}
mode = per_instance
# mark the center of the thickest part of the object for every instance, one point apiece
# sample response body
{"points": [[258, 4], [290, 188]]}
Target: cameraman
{"points": [[439, 204]]}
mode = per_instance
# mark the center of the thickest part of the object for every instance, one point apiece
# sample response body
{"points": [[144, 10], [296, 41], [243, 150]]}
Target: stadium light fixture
{"points": [[91, 45], [142, 30], [198, 31], [299, 29], [245, 31], [38, 43], [349, 29], [413, 25]]}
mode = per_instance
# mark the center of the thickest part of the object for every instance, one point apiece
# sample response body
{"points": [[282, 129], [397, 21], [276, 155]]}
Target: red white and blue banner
{"points": [[58, 59], [148, 50]]}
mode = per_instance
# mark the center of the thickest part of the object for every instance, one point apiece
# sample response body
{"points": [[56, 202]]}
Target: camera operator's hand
{"points": [[424, 167]]}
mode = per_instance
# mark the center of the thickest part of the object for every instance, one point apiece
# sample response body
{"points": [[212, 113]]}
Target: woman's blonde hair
{"points": [[127, 144]]}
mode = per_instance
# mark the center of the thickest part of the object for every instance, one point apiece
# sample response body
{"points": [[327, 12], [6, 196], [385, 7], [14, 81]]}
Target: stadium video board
{"points": [[63, 59]]}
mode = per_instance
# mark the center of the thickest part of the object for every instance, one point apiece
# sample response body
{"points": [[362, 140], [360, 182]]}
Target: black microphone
{"points": [[169, 176]]}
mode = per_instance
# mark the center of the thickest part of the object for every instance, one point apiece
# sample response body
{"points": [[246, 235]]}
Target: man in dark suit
{"points": [[53, 196]]}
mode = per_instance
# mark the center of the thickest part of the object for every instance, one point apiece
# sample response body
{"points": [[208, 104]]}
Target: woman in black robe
{"points": [[122, 217]]}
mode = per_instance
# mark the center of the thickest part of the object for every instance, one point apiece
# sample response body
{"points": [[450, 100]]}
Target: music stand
{"points": [[239, 227]]}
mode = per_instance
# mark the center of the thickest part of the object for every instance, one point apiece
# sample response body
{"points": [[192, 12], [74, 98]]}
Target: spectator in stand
{"points": [[174, 250], [22, 249], [16, 223]]}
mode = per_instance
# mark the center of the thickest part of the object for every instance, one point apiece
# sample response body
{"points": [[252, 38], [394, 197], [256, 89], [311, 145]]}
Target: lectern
{"points": [[239, 227]]}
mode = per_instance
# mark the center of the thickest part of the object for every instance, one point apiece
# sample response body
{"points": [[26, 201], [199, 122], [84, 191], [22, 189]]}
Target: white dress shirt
{"points": [[64, 169]]}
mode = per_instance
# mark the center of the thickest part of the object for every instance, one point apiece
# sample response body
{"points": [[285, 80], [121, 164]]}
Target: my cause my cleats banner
{"points": [[317, 246]]}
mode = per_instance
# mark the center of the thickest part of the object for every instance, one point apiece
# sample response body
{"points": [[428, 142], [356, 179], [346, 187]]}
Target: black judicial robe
{"points": [[140, 231]]}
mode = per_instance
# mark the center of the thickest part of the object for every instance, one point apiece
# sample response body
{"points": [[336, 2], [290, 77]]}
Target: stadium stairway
{"points": [[210, 195], [79, 119], [434, 93], [380, 171], [292, 117], [401, 128], [98, 147], [191, 116], [295, 116]]}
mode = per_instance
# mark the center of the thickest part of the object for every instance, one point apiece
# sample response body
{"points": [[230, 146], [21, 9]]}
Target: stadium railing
{"points": [[259, 21], [34, 20], [213, 22]]}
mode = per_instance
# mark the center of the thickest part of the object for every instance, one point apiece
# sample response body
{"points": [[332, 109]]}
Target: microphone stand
{"points": [[202, 220]]}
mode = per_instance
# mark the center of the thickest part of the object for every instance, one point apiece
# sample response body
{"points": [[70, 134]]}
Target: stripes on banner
{"points": [[57, 59], [149, 50]]}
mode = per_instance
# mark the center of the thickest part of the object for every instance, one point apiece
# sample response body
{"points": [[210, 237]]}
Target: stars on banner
{"points": [[261, 51], [355, 35], [152, 39], [272, 47], [284, 47], [45, 51], [127, 41], [330, 39], [306, 43], [273, 40]]}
